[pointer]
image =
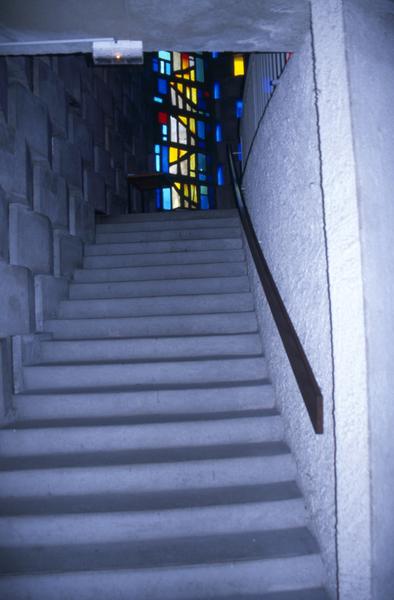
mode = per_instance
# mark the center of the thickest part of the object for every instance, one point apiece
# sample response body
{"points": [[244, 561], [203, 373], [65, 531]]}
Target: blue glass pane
{"points": [[157, 148], [164, 158], [204, 202], [216, 90], [199, 69], [157, 162], [215, 54], [240, 151], [157, 99], [220, 176], [164, 55], [202, 177], [167, 198], [155, 65], [218, 133], [201, 129], [165, 129], [201, 144], [168, 69], [162, 85], [158, 198], [162, 66], [201, 161], [239, 108], [204, 189]]}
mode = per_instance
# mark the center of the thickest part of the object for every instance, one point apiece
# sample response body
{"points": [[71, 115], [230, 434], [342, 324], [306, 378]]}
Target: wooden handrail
{"points": [[302, 370]]}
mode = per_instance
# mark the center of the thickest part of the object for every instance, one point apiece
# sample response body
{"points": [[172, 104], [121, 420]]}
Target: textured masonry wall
{"points": [[281, 185], [370, 49], [69, 132]]}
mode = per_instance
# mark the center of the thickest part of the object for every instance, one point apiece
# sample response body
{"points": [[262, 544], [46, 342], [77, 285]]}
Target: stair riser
{"points": [[168, 225], [135, 289], [123, 404], [149, 477], [170, 258], [169, 217], [153, 326], [70, 440], [163, 236], [169, 246], [160, 272], [205, 346], [200, 582], [105, 376], [164, 305], [144, 525]]}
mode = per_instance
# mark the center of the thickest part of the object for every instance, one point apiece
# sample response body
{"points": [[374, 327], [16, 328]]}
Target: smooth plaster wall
{"points": [[69, 132], [225, 25], [281, 183], [369, 31]]}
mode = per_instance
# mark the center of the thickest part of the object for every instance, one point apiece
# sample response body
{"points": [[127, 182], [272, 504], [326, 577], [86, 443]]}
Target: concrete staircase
{"points": [[147, 459]]}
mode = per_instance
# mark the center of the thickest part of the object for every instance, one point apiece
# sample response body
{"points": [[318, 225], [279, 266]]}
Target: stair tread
{"points": [[150, 501], [143, 456], [172, 552], [140, 419]]}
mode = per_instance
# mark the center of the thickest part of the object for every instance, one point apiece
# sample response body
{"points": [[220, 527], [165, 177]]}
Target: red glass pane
{"points": [[185, 60], [206, 94], [162, 117]]}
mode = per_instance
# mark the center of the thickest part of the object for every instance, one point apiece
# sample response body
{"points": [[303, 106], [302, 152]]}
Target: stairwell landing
{"points": [[147, 460]]}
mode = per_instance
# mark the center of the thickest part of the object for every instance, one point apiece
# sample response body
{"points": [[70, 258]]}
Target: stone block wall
{"points": [[68, 133]]}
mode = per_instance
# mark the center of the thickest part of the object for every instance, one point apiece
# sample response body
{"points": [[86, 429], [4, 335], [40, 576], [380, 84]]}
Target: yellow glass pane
{"points": [[183, 119], [194, 95], [193, 75], [192, 125], [173, 154], [177, 184], [186, 76], [188, 92], [239, 65], [193, 193], [192, 162], [182, 153], [186, 190], [180, 87]]}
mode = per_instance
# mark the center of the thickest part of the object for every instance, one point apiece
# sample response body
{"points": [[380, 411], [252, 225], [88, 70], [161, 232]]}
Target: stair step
{"points": [[148, 554], [169, 216], [152, 402], [148, 470], [161, 272], [210, 324], [140, 348], [80, 376], [150, 501], [169, 225], [166, 258], [162, 235], [167, 246], [217, 579], [111, 525], [159, 305], [69, 439], [160, 287]]}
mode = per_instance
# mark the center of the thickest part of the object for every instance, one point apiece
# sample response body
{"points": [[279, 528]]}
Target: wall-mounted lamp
{"points": [[105, 51]]}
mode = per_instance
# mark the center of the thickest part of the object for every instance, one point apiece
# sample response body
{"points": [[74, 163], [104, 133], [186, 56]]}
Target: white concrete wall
{"points": [[305, 194], [67, 133], [369, 28]]}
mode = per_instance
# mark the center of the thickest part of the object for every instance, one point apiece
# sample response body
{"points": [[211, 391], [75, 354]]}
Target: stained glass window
{"points": [[184, 130]]}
